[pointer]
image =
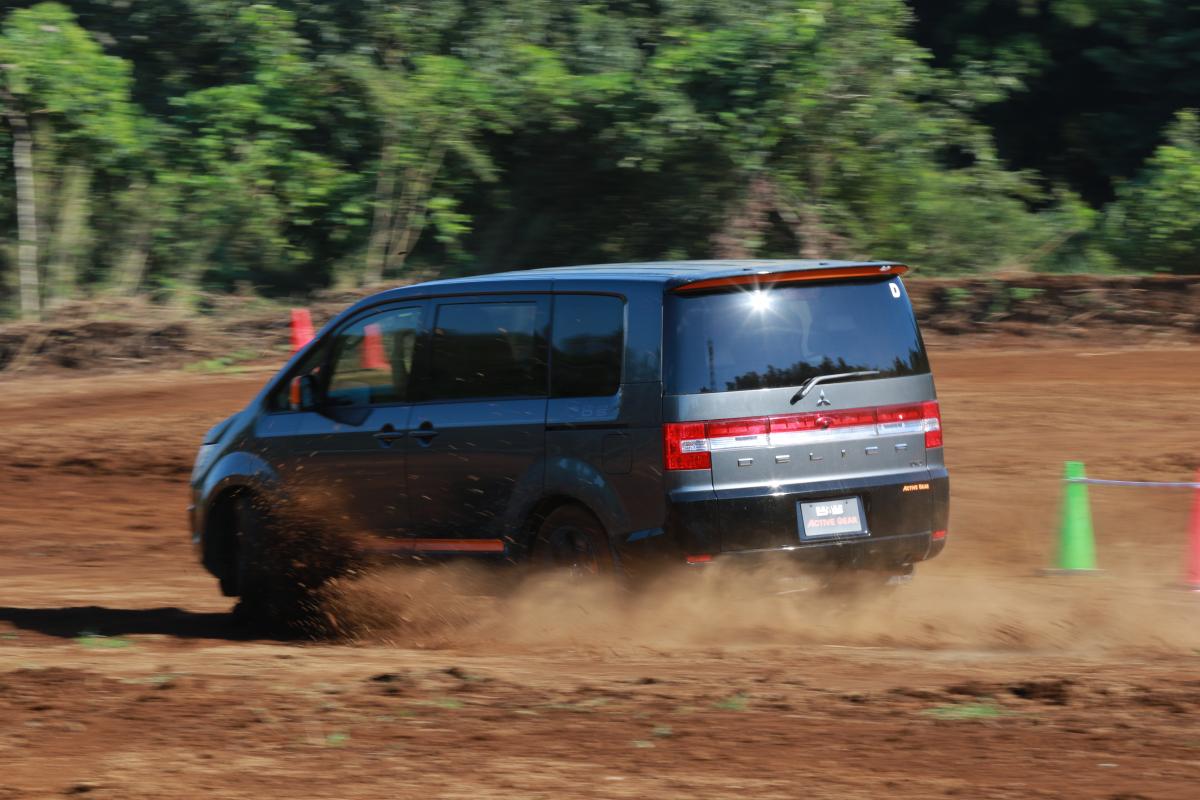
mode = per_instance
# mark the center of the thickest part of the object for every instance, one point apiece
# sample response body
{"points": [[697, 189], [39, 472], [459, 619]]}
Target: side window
{"points": [[487, 350], [373, 358], [279, 399], [589, 342]]}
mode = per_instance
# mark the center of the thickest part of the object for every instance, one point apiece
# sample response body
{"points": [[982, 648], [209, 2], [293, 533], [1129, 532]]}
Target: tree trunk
{"points": [[742, 231], [27, 233], [130, 267], [409, 219], [68, 235], [381, 225]]}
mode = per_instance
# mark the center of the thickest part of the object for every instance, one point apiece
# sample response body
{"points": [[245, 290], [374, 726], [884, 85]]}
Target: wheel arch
{"points": [[219, 539], [235, 474]]}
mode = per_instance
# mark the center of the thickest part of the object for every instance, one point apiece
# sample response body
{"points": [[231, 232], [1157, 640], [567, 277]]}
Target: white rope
{"points": [[1159, 484]]}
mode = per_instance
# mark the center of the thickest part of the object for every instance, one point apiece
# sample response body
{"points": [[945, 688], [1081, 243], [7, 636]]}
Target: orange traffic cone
{"points": [[302, 328], [1193, 575], [372, 352]]}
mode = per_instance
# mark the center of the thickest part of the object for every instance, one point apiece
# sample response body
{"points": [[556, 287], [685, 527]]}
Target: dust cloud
{"points": [[462, 605]]}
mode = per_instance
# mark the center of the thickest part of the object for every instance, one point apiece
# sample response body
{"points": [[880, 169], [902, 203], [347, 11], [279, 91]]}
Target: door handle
{"points": [[388, 434], [424, 433]]}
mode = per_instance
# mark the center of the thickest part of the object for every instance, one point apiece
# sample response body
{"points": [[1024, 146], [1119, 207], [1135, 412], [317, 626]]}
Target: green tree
{"points": [[1154, 224], [434, 97], [241, 165], [57, 86]]}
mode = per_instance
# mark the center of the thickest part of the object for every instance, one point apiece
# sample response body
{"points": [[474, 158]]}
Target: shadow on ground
{"points": [[71, 622]]}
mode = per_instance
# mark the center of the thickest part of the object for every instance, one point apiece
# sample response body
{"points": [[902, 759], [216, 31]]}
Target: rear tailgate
{"points": [[851, 447]]}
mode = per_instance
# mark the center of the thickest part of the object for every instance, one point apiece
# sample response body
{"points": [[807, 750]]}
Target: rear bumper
{"points": [[885, 553], [903, 512]]}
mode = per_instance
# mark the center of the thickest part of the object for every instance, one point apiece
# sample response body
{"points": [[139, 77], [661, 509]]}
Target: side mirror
{"points": [[302, 393]]}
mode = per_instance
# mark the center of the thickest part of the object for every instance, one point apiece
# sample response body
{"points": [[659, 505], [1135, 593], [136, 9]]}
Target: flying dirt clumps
{"points": [[414, 606]]}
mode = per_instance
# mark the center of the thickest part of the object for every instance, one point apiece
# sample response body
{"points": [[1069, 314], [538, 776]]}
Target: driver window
{"points": [[372, 359]]}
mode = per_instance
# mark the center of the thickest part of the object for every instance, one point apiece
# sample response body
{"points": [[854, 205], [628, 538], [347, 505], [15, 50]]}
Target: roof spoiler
{"points": [[796, 276]]}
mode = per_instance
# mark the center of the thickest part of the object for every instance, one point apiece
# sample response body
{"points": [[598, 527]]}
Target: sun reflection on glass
{"points": [[759, 301]]}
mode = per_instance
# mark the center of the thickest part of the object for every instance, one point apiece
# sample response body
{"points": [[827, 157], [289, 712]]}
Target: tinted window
{"points": [[483, 350], [372, 359], [589, 340], [783, 336]]}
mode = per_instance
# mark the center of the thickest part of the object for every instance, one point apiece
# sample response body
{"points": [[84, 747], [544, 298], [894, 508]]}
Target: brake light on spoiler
{"points": [[688, 445], [796, 276]]}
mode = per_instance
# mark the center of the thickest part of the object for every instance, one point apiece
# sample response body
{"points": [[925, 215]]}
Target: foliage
{"points": [[56, 70], [1154, 225], [189, 145]]}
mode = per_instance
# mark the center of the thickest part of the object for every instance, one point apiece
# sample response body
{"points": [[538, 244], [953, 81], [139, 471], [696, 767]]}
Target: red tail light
{"points": [[933, 424], [685, 446], [688, 445]]}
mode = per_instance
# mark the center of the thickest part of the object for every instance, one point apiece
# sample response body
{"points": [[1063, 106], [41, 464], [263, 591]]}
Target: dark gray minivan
{"points": [[618, 418]]}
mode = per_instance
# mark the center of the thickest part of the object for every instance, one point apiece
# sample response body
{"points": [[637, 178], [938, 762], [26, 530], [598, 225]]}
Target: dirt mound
{"points": [[240, 329], [96, 344], [1068, 306]]}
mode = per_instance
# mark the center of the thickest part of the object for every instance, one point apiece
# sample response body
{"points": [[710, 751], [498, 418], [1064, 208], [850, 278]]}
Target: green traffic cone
{"points": [[1076, 542]]}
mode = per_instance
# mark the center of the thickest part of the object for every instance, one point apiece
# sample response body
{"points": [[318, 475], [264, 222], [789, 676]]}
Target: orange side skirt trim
{"points": [[441, 546]]}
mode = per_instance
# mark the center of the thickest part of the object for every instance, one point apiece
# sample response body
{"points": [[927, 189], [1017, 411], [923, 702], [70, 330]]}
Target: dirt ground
{"points": [[121, 675]]}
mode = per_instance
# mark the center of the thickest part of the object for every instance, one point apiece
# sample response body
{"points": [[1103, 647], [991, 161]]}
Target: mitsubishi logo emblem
{"points": [[822, 400]]}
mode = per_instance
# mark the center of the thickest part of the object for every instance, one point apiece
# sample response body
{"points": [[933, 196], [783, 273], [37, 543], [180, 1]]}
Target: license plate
{"points": [[840, 517]]}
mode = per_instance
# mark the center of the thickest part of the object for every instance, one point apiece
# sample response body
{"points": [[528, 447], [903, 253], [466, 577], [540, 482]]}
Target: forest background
{"points": [[172, 149]]}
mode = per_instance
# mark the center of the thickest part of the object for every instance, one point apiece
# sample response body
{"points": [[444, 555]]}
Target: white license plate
{"points": [[842, 516]]}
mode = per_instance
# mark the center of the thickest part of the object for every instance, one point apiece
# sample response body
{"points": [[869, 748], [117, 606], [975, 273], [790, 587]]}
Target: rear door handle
{"points": [[425, 433]]}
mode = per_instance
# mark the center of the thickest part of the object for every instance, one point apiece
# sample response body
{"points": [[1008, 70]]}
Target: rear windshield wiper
{"points": [[811, 383]]}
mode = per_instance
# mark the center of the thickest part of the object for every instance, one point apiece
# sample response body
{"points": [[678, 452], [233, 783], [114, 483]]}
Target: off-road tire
{"points": [[276, 582], [571, 540]]}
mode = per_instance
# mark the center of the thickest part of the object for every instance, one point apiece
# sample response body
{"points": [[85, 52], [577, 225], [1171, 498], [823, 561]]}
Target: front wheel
{"points": [[280, 567], [573, 541]]}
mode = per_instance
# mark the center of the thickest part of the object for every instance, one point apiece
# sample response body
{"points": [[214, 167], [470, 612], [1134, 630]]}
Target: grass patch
{"points": [[966, 711], [337, 739], [96, 641], [230, 363], [958, 297], [735, 702], [1022, 294], [442, 702], [151, 680]]}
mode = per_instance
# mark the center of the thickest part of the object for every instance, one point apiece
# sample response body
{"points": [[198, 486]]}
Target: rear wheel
{"points": [[573, 541]]}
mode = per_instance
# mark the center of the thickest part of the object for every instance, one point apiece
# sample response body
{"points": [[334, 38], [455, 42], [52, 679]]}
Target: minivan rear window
{"points": [[780, 336], [588, 343]]}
